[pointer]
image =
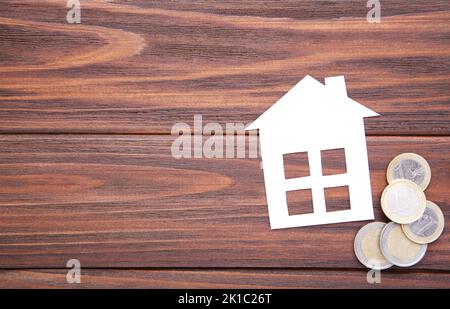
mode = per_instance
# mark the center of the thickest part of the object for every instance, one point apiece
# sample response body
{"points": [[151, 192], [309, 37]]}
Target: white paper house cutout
{"points": [[310, 118]]}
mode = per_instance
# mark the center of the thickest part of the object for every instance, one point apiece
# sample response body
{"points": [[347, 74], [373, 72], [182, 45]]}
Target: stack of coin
{"points": [[416, 222]]}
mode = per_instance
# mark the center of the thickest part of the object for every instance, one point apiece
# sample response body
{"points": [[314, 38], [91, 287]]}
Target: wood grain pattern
{"points": [[141, 66], [220, 279], [123, 201], [136, 217]]}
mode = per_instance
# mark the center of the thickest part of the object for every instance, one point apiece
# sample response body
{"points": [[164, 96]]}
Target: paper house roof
{"points": [[310, 101]]}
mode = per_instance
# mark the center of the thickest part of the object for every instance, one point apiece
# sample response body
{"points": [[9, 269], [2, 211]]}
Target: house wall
{"points": [[349, 135], [327, 133], [359, 175], [274, 177]]}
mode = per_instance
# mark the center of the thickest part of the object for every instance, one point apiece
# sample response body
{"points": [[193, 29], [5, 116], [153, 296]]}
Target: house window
{"points": [[299, 202], [333, 161], [326, 180], [296, 165], [337, 198]]}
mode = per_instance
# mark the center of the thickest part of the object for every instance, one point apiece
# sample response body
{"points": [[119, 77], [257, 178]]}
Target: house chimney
{"points": [[337, 85]]}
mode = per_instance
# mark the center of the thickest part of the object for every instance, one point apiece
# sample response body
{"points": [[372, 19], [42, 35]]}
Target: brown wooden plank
{"points": [[246, 279], [113, 201], [141, 67]]}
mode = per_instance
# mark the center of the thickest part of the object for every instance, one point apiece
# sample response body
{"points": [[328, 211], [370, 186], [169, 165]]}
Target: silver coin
{"points": [[427, 228], [403, 201], [409, 166], [399, 249], [367, 246]]}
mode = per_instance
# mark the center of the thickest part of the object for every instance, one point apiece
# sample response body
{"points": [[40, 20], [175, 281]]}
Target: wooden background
{"points": [[86, 113]]}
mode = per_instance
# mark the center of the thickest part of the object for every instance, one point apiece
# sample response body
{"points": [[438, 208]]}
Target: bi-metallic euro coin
{"points": [[403, 201], [409, 166], [399, 249], [428, 227], [367, 246]]}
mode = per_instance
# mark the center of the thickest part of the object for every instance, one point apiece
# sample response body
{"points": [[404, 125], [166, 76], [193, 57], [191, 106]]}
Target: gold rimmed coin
{"points": [[428, 227], [399, 249], [367, 246], [409, 166], [403, 201]]}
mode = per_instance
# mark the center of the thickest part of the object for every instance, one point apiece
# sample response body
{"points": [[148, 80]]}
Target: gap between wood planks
{"points": [[262, 269], [75, 133], [232, 278]]}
